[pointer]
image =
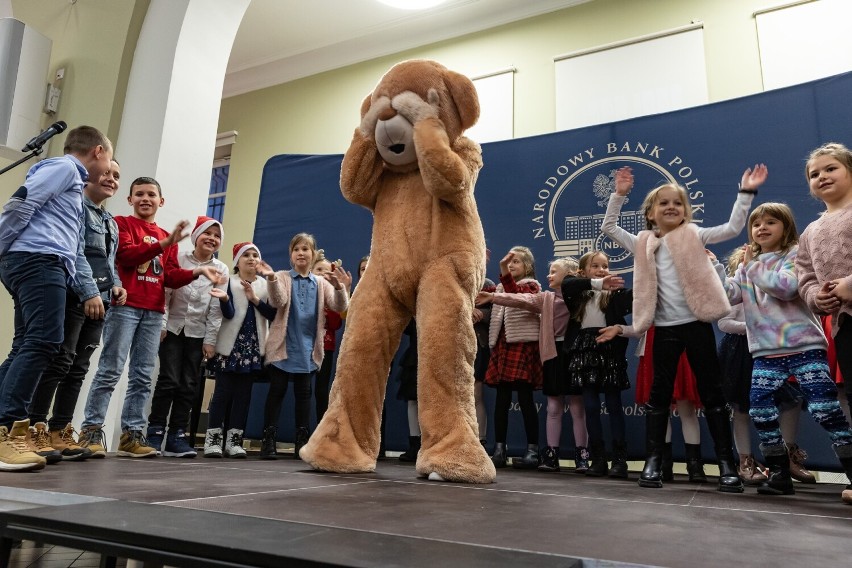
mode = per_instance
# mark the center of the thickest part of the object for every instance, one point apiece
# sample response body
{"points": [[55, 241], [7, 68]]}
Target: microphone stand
{"points": [[32, 154]]}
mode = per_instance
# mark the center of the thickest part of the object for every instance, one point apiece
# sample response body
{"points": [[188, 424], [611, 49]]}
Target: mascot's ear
{"points": [[464, 97], [365, 106]]}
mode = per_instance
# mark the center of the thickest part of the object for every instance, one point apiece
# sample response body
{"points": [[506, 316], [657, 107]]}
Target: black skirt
{"points": [[736, 364], [596, 365], [557, 381]]}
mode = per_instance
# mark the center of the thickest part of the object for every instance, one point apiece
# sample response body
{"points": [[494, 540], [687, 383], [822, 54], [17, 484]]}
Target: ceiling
{"points": [[284, 40]]}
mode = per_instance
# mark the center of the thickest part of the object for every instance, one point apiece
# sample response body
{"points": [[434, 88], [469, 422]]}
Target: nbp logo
{"points": [[572, 202]]}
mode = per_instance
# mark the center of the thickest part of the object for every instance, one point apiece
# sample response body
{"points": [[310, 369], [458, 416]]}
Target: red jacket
{"points": [[333, 321], [143, 267]]}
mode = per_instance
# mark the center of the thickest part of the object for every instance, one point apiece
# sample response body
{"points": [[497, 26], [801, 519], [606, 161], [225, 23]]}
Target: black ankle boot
{"points": [[268, 451], [619, 460], [668, 463], [597, 460], [302, 436], [499, 457], [410, 455], [779, 481], [719, 424], [549, 459], [530, 459], [694, 467], [846, 495], [656, 422]]}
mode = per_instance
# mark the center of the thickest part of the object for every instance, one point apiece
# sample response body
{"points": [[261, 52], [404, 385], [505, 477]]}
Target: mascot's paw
{"points": [[328, 450], [462, 464], [371, 118], [413, 108]]}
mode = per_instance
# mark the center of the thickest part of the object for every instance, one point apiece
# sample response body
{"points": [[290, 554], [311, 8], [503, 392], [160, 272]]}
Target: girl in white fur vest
{"points": [[677, 290]]}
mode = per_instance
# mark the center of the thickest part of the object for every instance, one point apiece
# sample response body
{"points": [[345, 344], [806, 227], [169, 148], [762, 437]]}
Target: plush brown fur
{"points": [[427, 261]]}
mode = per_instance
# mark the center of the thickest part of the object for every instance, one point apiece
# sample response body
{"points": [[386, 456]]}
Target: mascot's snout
{"points": [[395, 141]]}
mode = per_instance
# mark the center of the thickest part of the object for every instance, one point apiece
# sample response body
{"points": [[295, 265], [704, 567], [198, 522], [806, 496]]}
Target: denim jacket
{"points": [[96, 222]]}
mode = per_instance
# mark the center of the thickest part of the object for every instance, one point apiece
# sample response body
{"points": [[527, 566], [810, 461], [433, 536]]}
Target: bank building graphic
{"points": [[588, 190]]}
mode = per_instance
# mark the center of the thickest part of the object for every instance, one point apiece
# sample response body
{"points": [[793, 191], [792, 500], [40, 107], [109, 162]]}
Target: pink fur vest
{"points": [[702, 289]]}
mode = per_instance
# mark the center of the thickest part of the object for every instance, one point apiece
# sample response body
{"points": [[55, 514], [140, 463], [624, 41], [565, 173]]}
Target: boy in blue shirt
{"points": [[40, 229]]}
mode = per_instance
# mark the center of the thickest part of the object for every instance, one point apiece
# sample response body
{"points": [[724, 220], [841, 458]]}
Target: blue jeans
{"points": [[62, 380], [126, 330], [37, 285]]}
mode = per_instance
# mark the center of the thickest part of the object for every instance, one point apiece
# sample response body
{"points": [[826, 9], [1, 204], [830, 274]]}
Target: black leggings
{"points": [[615, 411], [843, 347], [278, 381], [699, 342], [525, 401]]}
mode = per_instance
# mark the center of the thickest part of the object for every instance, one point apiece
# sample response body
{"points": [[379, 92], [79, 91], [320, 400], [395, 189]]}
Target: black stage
{"points": [[392, 518]]}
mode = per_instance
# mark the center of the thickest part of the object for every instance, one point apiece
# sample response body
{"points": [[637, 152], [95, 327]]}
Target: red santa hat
{"points": [[241, 248], [202, 224]]}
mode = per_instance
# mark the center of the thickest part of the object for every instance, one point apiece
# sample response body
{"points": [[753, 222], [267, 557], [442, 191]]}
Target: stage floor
{"points": [[605, 522]]}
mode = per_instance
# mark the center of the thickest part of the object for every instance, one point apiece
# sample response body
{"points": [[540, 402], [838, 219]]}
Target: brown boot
{"points": [[63, 440], [39, 442], [748, 470], [15, 453], [798, 471]]}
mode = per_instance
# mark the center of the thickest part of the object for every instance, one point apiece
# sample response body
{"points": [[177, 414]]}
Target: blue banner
{"points": [[549, 193]]}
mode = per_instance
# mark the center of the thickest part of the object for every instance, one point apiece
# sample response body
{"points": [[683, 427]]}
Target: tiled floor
{"points": [[565, 514], [30, 554]]}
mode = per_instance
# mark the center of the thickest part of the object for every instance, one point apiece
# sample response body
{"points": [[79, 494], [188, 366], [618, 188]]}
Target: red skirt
{"points": [[832, 350], [684, 387], [514, 362]]}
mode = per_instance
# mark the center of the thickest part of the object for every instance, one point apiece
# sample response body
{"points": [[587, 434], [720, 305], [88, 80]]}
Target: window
{"points": [[496, 93], [804, 41], [637, 77]]}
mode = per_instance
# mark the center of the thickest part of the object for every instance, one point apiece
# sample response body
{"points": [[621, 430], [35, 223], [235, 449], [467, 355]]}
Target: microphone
{"points": [[52, 130]]}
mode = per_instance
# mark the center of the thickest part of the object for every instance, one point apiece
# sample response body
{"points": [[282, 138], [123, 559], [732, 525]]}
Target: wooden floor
{"points": [[601, 521]]}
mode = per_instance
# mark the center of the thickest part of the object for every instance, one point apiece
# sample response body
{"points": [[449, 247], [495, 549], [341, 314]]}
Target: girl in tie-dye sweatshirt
{"points": [[785, 338]]}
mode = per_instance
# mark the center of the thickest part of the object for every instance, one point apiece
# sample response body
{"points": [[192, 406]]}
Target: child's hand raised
{"points": [[754, 178], [219, 293], [249, 291], [177, 235], [748, 254], [264, 269], [504, 263], [210, 273], [339, 278], [623, 180], [612, 282]]}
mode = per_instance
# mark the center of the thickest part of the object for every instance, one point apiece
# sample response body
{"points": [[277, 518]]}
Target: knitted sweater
{"points": [[546, 304], [279, 297], [521, 326], [778, 321], [825, 254]]}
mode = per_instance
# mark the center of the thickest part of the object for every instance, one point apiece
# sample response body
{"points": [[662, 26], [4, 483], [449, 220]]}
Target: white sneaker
{"points": [[234, 444], [213, 443]]}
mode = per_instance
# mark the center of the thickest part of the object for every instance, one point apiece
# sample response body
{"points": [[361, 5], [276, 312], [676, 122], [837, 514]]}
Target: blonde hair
{"points": [[783, 213], [834, 149], [526, 257], [567, 263], [735, 258], [653, 196]]}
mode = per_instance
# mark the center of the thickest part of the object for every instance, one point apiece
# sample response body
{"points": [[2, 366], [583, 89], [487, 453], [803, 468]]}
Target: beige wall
{"points": [[91, 40], [317, 115]]}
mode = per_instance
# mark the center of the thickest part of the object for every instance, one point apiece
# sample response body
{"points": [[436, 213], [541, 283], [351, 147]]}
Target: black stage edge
{"points": [[206, 512]]}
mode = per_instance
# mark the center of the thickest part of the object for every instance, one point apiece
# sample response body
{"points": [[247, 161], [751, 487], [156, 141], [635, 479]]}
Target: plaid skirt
{"points": [[514, 362]]}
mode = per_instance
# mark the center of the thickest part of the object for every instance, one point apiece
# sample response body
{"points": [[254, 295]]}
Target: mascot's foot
{"points": [[466, 464], [328, 451]]}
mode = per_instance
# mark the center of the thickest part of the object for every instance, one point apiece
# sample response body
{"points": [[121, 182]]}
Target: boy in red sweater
{"points": [[146, 262]]}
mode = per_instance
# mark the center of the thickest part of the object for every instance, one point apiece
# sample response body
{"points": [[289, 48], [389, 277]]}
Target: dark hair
{"points": [[144, 180], [83, 138]]}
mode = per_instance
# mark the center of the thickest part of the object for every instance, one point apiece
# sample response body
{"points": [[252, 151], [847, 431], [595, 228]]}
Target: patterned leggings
{"points": [[810, 369]]}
